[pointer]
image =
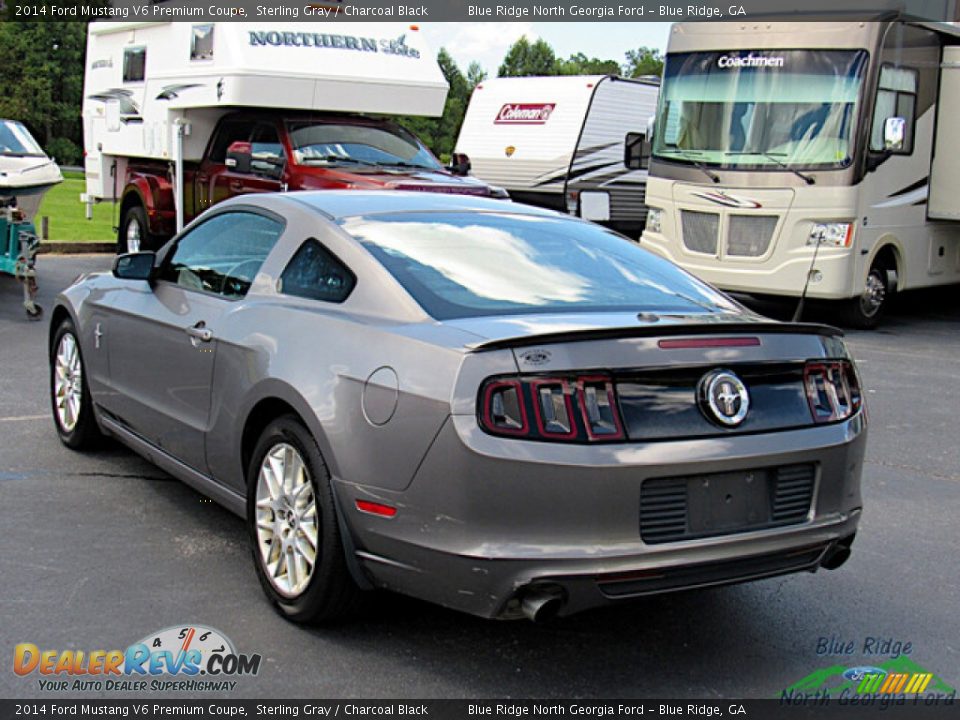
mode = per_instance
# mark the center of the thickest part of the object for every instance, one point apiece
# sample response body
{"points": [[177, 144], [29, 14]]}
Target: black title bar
{"points": [[473, 10]]}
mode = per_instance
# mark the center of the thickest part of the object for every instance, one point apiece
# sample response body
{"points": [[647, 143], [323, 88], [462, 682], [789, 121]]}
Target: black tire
{"points": [[865, 311], [85, 433], [134, 220], [331, 593]]}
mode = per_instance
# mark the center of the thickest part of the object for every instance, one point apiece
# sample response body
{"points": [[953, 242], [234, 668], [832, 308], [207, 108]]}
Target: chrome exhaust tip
{"points": [[542, 602]]}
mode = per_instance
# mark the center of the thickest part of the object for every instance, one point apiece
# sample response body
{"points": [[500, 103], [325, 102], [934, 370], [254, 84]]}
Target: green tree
{"points": [[41, 81], [580, 64], [643, 61], [475, 75], [440, 134], [525, 58]]}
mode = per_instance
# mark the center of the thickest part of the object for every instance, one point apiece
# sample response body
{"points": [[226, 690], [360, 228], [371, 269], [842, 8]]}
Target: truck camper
{"points": [[179, 116], [558, 142], [810, 159]]}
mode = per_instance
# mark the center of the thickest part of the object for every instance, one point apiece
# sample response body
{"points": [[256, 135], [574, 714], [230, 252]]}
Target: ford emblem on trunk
{"points": [[723, 398]]}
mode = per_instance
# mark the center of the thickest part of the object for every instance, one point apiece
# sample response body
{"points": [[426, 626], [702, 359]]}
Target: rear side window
{"points": [[223, 255], [315, 273], [462, 264]]}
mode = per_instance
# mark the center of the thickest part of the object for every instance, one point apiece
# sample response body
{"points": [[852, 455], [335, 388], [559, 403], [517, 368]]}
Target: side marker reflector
{"points": [[376, 508]]}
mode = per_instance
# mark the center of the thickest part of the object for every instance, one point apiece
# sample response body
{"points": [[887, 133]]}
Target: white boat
{"points": [[26, 173]]}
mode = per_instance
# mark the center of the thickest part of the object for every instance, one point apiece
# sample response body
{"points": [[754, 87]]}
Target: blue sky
{"points": [[487, 42]]}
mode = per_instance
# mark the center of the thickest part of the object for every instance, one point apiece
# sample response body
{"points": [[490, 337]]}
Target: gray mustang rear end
{"points": [[493, 407]]}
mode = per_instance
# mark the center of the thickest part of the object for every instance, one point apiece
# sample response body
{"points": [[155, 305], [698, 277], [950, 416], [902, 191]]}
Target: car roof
{"points": [[340, 204]]}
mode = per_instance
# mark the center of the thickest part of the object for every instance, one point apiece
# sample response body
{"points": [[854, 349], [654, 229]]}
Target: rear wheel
{"points": [[866, 310], [297, 548], [69, 394], [134, 235]]}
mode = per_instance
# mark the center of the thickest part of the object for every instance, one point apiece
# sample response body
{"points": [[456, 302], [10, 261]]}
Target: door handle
{"points": [[199, 333], [236, 185]]}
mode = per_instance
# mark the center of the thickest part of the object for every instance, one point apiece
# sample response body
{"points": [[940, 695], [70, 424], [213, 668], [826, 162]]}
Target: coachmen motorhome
{"points": [[810, 159], [179, 116], [558, 142]]}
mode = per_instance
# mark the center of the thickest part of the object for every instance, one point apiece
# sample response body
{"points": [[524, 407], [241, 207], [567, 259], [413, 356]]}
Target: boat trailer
{"points": [[18, 253]]}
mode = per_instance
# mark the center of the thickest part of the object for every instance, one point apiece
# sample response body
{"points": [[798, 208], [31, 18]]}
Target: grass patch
{"points": [[68, 221]]}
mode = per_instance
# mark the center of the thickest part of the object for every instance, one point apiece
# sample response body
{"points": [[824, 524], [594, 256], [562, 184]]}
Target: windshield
{"points": [[16, 140], [458, 265], [760, 108], [338, 143]]}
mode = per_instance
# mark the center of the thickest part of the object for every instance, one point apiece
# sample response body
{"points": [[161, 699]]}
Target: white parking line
{"points": [[23, 418]]}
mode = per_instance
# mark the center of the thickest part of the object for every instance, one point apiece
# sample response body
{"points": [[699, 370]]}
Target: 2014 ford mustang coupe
{"points": [[490, 406]]}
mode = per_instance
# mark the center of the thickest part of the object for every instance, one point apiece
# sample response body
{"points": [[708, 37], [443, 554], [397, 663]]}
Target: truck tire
{"points": [[134, 234], [865, 311]]}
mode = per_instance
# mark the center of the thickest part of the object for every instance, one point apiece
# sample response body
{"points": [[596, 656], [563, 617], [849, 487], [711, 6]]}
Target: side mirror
{"points": [[633, 151], [459, 164], [135, 266], [894, 133], [239, 156]]}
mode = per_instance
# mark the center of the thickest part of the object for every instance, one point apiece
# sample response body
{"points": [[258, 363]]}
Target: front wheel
{"points": [[69, 393], [866, 310], [297, 548]]}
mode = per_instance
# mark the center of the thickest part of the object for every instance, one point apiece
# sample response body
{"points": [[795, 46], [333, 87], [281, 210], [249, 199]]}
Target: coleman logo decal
{"points": [[524, 114]]}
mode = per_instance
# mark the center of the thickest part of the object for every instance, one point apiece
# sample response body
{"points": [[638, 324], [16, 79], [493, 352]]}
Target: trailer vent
{"points": [[750, 235], [700, 231]]}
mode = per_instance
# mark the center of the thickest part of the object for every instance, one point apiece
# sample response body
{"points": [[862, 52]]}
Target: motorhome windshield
{"points": [[16, 140], [760, 109], [325, 143]]}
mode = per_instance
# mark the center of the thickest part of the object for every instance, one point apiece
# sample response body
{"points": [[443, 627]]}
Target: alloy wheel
{"points": [[68, 382], [286, 517], [874, 294]]}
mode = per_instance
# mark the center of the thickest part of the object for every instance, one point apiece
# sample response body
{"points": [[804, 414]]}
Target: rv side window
{"points": [[896, 97], [316, 274], [134, 64], [201, 42]]}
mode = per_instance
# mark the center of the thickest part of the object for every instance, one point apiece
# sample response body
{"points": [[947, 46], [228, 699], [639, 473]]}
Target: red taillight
{"points": [[553, 408], [598, 403], [376, 508], [572, 409], [504, 408], [833, 390]]}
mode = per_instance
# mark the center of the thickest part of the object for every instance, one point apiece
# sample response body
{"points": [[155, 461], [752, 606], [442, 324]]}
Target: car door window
{"points": [[316, 273], [229, 132], [223, 254]]}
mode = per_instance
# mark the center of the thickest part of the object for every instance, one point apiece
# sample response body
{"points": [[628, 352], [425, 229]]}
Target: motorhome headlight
{"points": [[833, 234], [654, 220]]}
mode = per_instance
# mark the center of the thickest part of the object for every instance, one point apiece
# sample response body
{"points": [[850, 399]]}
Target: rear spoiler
{"points": [[655, 330]]}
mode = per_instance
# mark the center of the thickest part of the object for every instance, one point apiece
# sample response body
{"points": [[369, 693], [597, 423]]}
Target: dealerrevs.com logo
{"points": [[524, 114], [186, 658]]}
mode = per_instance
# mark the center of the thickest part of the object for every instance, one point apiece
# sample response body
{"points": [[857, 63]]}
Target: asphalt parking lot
{"points": [[100, 550]]}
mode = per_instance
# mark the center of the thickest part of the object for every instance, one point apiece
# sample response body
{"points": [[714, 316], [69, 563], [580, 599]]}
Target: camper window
{"points": [[896, 97], [134, 64], [201, 42]]}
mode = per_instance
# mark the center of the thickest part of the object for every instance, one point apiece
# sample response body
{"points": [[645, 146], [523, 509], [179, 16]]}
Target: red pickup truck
{"points": [[279, 151]]}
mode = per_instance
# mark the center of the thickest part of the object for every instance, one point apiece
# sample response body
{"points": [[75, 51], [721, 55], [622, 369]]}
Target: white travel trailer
{"points": [[810, 159], [558, 142], [155, 91]]}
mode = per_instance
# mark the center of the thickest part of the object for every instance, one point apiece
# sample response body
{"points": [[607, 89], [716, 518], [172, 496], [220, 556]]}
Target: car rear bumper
{"points": [[489, 522]]}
